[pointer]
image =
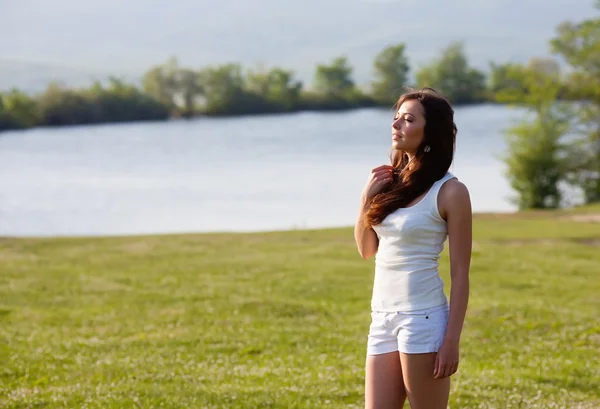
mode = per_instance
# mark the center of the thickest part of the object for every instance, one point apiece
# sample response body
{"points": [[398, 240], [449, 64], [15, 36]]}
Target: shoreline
{"points": [[200, 116], [588, 213]]}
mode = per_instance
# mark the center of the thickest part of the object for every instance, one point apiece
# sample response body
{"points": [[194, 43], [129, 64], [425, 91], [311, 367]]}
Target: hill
{"points": [[74, 41]]}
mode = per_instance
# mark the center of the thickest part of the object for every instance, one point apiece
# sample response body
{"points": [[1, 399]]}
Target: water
{"points": [[303, 170]]}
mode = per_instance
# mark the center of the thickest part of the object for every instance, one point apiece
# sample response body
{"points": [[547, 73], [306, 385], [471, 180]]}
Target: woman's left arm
{"points": [[455, 207]]}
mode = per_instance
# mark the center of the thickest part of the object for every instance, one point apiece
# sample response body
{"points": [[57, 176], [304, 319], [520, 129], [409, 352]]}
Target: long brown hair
{"points": [[428, 165]]}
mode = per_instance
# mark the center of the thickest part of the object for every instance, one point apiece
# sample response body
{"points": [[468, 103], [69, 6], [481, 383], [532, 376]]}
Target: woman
{"points": [[407, 211]]}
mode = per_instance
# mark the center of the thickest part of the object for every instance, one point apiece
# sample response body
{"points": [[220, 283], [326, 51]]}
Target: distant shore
{"points": [[208, 115]]}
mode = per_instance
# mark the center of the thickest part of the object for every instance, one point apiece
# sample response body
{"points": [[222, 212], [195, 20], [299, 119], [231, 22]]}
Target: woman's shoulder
{"points": [[453, 196]]}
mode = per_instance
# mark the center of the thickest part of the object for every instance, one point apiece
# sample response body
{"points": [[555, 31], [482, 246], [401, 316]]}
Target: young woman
{"points": [[407, 211]]}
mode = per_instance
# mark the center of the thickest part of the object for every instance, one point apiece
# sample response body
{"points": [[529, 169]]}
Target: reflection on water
{"points": [[230, 174]]}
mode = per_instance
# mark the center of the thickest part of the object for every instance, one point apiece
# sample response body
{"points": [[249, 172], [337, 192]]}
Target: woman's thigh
{"points": [[384, 385], [422, 389]]}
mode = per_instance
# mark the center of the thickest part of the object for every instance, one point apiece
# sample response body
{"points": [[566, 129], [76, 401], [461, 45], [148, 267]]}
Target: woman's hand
{"points": [[379, 178], [446, 361]]}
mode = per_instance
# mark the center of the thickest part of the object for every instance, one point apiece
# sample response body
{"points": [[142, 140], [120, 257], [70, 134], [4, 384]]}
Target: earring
{"points": [[427, 148]]}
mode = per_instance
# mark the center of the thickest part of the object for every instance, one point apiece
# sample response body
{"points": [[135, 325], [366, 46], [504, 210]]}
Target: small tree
{"points": [[535, 153], [160, 82], [7, 121], [276, 86], [452, 76], [534, 164], [21, 107], [391, 71], [223, 87], [579, 45], [335, 80], [190, 88]]}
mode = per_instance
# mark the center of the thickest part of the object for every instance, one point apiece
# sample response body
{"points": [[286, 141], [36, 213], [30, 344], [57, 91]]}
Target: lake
{"points": [[292, 171]]}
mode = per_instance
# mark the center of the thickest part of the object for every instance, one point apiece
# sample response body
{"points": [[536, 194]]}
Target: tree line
{"points": [[557, 146], [169, 90]]}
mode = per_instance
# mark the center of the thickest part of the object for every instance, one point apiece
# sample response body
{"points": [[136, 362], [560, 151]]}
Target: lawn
{"points": [[279, 319]]}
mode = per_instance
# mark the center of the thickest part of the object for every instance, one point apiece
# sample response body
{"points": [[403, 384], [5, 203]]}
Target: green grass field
{"points": [[279, 320]]}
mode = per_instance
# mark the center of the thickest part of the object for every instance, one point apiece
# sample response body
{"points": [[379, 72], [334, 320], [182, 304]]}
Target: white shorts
{"points": [[410, 332]]}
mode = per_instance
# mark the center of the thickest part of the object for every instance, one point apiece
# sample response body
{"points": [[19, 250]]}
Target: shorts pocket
{"points": [[416, 330], [439, 324]]}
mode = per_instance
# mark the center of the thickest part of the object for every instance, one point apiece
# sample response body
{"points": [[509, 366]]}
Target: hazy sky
{"points": [[127, 37]]}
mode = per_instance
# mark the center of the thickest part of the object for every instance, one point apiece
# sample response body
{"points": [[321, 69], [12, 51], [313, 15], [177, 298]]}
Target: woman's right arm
{"points": [[365, 237]]}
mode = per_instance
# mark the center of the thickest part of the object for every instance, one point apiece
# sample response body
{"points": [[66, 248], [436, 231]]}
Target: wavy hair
{"points": [[427, 167]]}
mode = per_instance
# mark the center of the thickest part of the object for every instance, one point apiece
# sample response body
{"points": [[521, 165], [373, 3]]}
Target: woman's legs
{"points": [[384, 386], [391, 377], [423, 391]]}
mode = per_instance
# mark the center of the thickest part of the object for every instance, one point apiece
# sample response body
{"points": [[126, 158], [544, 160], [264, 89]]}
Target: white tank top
{"points": [[406, 264]]}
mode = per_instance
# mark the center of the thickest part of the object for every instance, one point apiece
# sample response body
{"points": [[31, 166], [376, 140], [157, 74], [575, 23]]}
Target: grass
{"points": [[279, 320]]}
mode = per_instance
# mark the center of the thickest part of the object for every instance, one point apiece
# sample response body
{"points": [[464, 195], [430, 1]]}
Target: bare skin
{"points": [[366, 239], [454, 204], [384, 386], [408, 127], [422, 378], [422, 389]]}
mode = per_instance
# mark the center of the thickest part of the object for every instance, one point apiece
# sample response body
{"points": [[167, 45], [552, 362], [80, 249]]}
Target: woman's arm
{"points": [[365, 237], [456, 209]]}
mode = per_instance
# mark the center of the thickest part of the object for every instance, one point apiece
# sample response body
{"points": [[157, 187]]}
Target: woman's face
{"points": [[408, 126]]}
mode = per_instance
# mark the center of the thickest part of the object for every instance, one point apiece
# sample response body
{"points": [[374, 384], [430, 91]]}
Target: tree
{"points": [[391, 71], [283, 89], [7, 121], [121, 102], [500, 78], [189, 86], [276, 86], [534, 163], [579, 45], [61, 106], [535, 155], [223, 89], [160, 82], [334, 81], [452, 76], [117, 102], [546, 66], [21, 107]]}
